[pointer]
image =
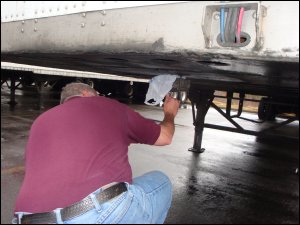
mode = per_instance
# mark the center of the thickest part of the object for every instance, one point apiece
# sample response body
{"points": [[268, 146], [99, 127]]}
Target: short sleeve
{"points": [[141, 130]]}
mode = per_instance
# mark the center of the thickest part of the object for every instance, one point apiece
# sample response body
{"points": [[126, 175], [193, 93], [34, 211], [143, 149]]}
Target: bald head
{"points": [[76, 89]]}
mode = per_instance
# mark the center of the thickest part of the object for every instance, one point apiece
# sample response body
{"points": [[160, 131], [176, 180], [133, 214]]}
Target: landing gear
{"points": [[12, 81], [12, 102], [203, 100]]}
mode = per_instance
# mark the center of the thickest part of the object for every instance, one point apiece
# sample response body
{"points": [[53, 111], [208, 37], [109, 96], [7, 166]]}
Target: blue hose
{"points": [[222, 24]]}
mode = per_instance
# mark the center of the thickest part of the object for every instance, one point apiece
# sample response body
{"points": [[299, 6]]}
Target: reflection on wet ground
{"points": [[238, 179]]}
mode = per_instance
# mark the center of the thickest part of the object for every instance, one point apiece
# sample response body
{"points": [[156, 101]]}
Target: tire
{"points": [[266, 111]]}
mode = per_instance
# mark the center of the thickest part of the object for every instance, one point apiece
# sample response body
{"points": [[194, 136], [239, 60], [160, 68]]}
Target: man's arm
{"points": [[171, 106]]}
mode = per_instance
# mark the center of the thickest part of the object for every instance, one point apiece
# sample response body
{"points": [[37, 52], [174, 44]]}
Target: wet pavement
{"points": [[238, 179]]}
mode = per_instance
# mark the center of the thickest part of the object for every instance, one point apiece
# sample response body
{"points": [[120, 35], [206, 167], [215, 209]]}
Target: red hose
{"points": [[239, 25]]}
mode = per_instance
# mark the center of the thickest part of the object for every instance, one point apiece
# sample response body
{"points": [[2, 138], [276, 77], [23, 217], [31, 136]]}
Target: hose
{"points": [[231, 25], [227, 25], [222, 24], [239, 25]]}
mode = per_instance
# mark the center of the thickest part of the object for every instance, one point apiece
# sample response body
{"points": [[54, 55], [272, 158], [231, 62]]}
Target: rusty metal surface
{"points": [[221, 72]]}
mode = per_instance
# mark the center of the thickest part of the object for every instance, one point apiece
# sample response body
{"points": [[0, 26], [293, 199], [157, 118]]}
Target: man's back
{"points": [[77, 147]]}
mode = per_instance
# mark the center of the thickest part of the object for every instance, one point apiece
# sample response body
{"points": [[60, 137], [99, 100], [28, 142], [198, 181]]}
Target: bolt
{"points": [[254, 15], [103, 12], [35, 29], [23, 22], [82, 25], [216, 16], [22, 30], [35, 20], [102, 23], [83, 14]]}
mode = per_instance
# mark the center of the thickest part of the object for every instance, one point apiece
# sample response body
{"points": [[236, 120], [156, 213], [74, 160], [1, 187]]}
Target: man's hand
{"points": [[171, 106]]}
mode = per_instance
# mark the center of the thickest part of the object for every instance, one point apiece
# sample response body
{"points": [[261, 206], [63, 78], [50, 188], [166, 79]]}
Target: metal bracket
{"points": [[180, 86]]}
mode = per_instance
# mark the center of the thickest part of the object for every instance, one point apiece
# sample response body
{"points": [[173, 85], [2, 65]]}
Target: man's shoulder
{"points": [[106, 100]]}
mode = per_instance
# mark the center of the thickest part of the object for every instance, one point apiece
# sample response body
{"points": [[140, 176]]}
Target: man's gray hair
{"points": [[76, 89]]}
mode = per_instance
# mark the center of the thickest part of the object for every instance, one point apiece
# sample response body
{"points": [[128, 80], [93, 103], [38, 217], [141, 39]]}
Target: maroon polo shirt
{"points": [[77, 147]]}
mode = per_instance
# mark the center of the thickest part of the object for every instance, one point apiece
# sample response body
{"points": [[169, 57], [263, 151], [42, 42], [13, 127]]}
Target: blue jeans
{"points": [[147, 200]]}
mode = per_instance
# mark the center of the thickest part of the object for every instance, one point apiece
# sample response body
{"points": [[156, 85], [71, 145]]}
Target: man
{"points": [[77, 168]]}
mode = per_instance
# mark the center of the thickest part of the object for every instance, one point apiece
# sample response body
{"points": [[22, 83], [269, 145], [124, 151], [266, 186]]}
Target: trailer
{"points": [[242, 47]]}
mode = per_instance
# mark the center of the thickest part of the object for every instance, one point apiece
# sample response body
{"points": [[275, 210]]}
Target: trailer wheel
{"points": [[27, 81], [266, 111]]}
